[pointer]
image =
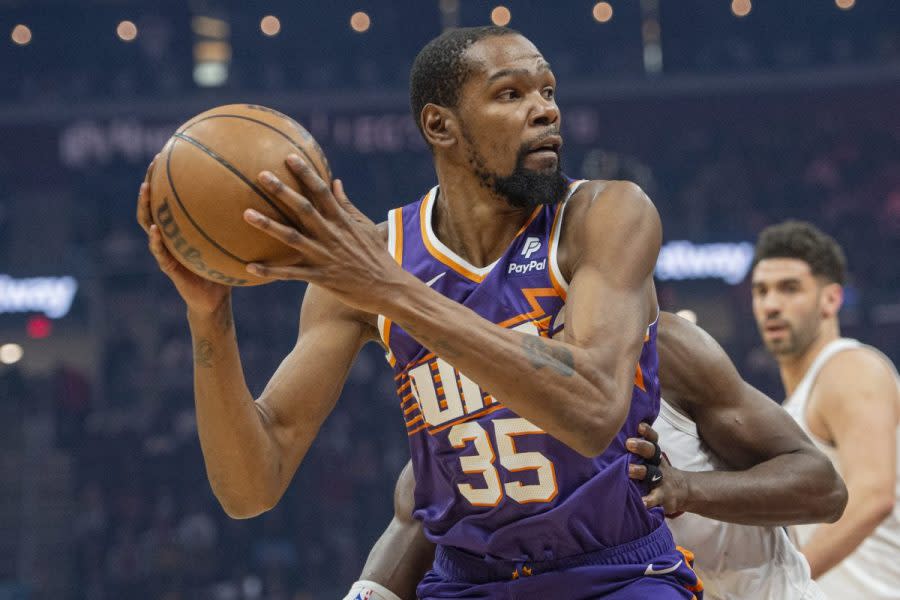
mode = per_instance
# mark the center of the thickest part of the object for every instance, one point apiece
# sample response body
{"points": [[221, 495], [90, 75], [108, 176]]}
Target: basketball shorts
{"points": [[648, 568]]}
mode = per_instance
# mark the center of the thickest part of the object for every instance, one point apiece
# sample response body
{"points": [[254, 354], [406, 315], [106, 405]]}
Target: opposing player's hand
{"points": [[667, 484], [200, 295], [340, 249]]}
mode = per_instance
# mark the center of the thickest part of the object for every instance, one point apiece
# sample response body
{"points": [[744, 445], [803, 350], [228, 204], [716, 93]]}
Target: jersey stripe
{"points": [[556, 277]]}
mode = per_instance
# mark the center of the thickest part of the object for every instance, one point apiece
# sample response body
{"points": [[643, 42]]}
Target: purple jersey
{"points": [[488, 481]]}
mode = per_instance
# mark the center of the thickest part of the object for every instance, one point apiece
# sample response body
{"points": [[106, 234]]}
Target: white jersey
{"points": [[735, 562], [872, 571]]}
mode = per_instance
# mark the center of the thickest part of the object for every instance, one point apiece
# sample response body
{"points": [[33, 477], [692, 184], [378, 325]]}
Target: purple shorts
{"points": [[651, 567]]}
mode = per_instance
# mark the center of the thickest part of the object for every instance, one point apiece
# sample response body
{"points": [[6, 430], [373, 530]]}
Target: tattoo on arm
{"points": [[203, 352], [541, 354]]}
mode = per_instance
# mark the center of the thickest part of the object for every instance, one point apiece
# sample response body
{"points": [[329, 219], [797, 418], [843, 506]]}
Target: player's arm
{"points": [[252, 448], [780, 477], [579, 390], [402, 555], [855, 397]]}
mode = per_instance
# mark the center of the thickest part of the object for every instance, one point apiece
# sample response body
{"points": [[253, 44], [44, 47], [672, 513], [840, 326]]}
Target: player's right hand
{"points": [[201, 295]]}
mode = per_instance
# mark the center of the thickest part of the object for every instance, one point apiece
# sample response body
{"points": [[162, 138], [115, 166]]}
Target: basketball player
{"points": [[709, 419], [517, 439], [845, 397]]}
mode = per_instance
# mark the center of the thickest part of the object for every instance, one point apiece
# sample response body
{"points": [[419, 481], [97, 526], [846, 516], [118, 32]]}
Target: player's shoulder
{"points": [[604, 212], [608, 194], [610, 204], [383, 230], [854, 368]]}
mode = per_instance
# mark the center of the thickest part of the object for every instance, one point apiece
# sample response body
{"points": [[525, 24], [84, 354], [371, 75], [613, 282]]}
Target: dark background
{"points": [[789, 112]]}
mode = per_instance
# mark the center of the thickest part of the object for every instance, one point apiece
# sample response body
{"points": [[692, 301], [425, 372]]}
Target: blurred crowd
{"points": [[144, 523]]}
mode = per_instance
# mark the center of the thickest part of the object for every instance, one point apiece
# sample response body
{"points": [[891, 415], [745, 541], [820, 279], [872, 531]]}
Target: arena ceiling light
{"points": [[360, 22], [270, 25], [501, 16], [741, 8], [10, 354], [602, 12], [845, 4], [127, 31], [21, 35]]}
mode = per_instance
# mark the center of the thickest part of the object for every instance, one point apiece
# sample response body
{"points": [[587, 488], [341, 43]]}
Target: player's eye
{"points": [[549, 93], [508, 94]]}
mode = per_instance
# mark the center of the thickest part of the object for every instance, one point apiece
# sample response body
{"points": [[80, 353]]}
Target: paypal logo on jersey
{"points": [[531, 245]]}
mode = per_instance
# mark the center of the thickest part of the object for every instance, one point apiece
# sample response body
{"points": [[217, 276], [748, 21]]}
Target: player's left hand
{"points": [[339, 248], [668, 485]]}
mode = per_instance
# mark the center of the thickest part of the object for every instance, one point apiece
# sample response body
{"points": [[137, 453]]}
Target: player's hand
{"points": [[340, 249], [668, 486], [201, 295]]}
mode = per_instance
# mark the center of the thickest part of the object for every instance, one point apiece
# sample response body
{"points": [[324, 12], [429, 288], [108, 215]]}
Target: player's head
{"points": [[798, 277], [484, 100]]}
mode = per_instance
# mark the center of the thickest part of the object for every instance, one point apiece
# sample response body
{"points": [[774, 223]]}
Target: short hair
{"points": [[804, 241], [439, 70]]}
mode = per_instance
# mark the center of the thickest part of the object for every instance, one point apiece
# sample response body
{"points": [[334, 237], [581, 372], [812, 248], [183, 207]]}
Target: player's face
{"points": [[509, 121], [787, 305]]}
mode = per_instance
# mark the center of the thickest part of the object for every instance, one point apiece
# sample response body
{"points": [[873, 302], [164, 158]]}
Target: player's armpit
{"points": [[780, 477], [402, 555], [855, 397]]}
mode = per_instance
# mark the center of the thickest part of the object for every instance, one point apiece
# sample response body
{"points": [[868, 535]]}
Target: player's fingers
{"points": [[165, 260], [320, 192], [637, 472], [307, 216], [648, 433], [654, 498], [143, 207], [301, 273], [642, 448], [284, 234]]}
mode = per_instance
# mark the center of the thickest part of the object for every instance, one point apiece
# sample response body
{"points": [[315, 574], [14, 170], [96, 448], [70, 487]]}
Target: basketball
{"points": [[206, 177]]}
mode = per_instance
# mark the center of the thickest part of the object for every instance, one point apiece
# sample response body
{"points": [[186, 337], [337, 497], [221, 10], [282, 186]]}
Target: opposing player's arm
{"points": [[855, 397], [402, 555], [578, 390], [780, 477], [252, 448]]}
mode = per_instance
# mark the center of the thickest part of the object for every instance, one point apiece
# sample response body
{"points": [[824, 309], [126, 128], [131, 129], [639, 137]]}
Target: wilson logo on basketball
{"points": [[190, 256]]}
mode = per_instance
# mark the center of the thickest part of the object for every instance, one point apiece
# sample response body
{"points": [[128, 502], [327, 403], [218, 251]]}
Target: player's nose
{"points": [[545, 112]]}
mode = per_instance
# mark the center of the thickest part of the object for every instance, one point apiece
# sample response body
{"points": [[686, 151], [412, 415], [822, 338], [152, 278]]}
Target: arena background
{"points": [[731, 116]]}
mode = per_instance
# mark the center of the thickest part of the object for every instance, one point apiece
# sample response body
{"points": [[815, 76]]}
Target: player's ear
{"points": [[439, 126], [832, 299]]}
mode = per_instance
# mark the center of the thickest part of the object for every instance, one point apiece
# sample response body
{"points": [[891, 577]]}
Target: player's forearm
{"points": [[832, 543], [787, 489], [400, 558], [239, 456], [559, 387]]}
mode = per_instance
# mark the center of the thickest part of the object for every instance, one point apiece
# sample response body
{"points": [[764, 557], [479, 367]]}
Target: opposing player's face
{"points": [[509, 121], [788, 304]]}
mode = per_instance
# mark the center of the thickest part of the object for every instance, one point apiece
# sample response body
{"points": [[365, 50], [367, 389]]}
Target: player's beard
{"points": [[524, 188], [798, 339]]}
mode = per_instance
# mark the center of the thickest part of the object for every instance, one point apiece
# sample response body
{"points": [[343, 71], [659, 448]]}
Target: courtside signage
{"points": [[50, 295], [681, 259]]}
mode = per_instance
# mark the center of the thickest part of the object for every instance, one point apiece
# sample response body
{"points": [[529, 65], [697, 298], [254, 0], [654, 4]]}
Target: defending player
{"points": [[518, 440], [845, 397], [710, 419]]}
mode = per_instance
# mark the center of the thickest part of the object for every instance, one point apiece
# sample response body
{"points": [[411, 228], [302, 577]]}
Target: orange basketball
{"points": [[206, 176]]}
